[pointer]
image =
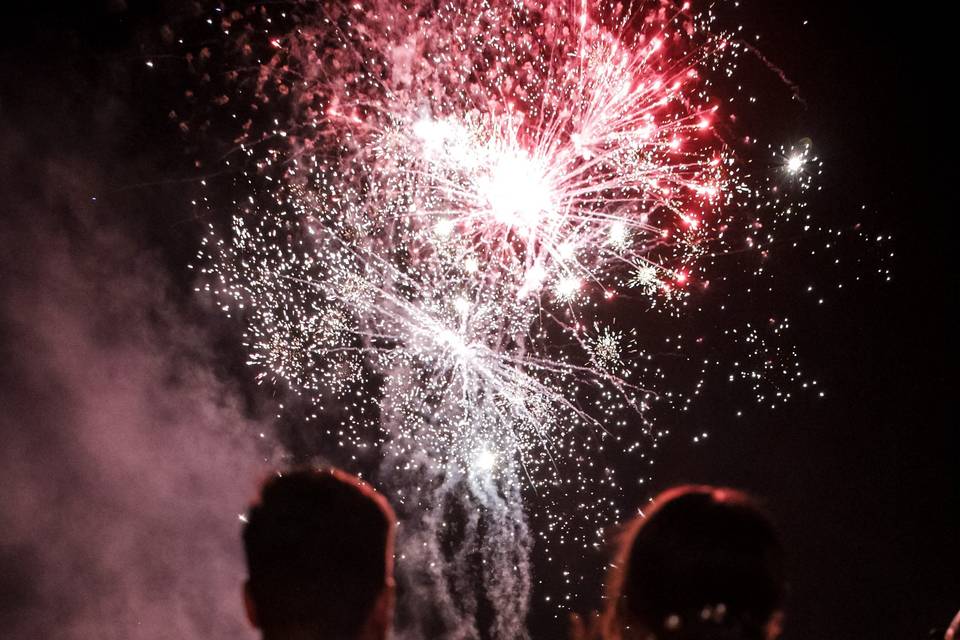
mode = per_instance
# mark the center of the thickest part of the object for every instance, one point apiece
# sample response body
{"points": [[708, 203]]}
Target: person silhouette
{"points": [[704, 563], [319, 551]]}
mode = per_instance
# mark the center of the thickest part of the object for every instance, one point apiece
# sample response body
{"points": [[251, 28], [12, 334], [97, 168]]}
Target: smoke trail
{"points": [[464, 546], [122, 447], [464, 549]]}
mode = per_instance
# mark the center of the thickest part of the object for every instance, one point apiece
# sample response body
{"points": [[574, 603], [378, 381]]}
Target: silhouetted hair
{"points": [[703, 563], [319, 546]]}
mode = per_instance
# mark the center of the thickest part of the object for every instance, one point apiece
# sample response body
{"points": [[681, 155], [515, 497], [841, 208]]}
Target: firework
{"points": [[488, 171], [454, 193]]}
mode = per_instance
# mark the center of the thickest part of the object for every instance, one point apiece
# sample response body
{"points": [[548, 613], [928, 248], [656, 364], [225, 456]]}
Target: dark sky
{"points": [[864, 483]]}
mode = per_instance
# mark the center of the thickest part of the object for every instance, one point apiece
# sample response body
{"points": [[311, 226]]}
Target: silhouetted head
{"points": [[319, 546], [704, 563]]}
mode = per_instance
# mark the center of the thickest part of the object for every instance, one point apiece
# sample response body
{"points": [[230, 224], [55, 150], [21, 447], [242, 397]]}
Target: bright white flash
{"points": [[567, 288], [462, 305], [517, 190], [485, 460], [795, 163]]}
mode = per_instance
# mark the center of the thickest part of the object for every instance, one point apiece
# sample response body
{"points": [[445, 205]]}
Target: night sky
{"points": [[129, 424]]}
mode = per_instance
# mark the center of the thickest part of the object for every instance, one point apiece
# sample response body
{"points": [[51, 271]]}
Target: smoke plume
{"points": [[126, 457]]}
